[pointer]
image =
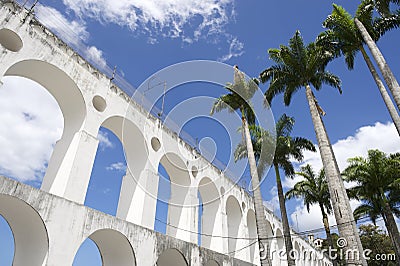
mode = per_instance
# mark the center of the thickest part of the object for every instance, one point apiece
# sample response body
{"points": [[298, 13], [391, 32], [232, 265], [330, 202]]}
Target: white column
{"points": [[138, 198], [70, 167], [182, 213]]}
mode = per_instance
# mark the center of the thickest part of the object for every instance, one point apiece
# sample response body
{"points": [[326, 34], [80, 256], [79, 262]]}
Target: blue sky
{"points": [[142, 37]]}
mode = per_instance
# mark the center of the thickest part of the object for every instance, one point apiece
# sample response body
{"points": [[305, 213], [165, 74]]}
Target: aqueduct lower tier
{"points": [[50, 224]]}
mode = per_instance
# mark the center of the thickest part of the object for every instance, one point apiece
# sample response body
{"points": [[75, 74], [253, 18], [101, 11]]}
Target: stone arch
{"points": [[114, 248], [133, 142], [252, 233], [180, 206], [135, 157], [29, 231], [73, 107], [171, 257], [234, 217], [212, 263], [10, 40], [60, 86], [210, 223]]}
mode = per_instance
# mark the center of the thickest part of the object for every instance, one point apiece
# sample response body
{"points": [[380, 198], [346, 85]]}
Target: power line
{"points": [[296, 234]]}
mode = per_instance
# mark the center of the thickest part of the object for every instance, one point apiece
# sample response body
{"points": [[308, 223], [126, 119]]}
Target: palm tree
{"points": [[386, 22], [374, 176], [314, 190], [383, 7], [240, 93], [299, 66], [343, 38], [287, 147]]}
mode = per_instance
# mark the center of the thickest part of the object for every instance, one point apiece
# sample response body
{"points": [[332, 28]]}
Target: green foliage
{"points": [[342, 37], [375, 178], [287, 147], [378, 242], [297, 65], [313, 189]]}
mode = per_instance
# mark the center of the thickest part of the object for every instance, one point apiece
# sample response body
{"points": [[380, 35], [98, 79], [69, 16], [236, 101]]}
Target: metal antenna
{"points": [[113, 74], [30, 10], [163, 100]]}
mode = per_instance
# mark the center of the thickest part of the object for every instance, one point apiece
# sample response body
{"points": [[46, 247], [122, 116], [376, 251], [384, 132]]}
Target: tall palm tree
{"points": [[314, 190], [287, 148], [343, 38], [387, 21], [238, 99], [374, 176], [383, 7], [299, 66]]}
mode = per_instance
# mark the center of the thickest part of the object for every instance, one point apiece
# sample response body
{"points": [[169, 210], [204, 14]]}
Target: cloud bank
{"points": [[378, 136]]}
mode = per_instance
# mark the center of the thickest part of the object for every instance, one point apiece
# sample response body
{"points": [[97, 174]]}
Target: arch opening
{"points": [[30, 235], [7, 243], [174, 181], [234, 217], [32, 122], [73, 108], [60, 86], [121, 152], [87, 254], [171, 257], [209, 199], [114, 248]]}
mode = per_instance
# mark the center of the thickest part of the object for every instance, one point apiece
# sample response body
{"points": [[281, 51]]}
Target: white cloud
{"points": [[31, 123], [303, 220], [119, 166], [73, 32], [95, 55], [105, 142], [273, 203], [168, 17], [235, 49], [378, 136]]}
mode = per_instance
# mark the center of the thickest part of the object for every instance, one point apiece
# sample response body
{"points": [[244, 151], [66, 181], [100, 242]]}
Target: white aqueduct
{"points": [[50, 224]]}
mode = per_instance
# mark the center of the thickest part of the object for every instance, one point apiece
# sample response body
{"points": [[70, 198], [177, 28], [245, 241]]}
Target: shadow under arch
{"points": [[212, 263], [234, 217], [114, 248], [211, 201], [29, 231], [133, 142], [69, 99], [171, 257], [135, 152], [179, 206]]}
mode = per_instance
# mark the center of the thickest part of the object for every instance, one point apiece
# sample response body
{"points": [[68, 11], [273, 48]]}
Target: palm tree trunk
{"points": [[381, 62], [285, 222], [261, 223], [340, 201], [385, 95], [391, 226], [327, 229]]}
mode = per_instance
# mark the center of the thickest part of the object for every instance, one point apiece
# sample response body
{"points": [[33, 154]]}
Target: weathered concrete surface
{"points": [[67, 224]]}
